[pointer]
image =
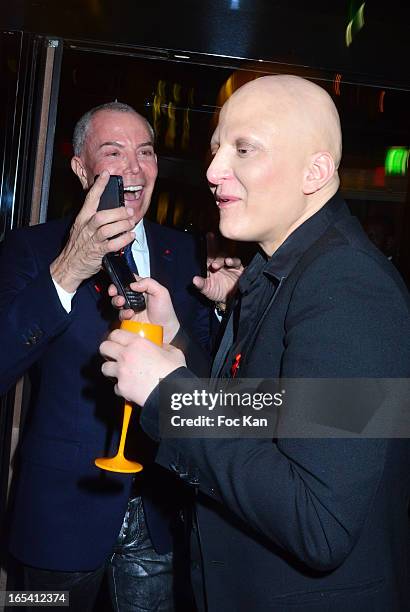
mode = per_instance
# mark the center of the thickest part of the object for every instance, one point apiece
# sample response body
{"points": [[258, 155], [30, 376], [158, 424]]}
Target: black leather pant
{"points": [[83, 587], [140, 579]]}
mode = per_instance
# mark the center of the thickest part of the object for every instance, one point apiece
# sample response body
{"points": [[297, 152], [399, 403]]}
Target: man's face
{"points": [[120, 143], [257, 170]]}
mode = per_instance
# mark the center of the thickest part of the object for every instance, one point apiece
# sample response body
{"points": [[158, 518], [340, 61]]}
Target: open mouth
{"points": [[222, 201], [132, 192]]}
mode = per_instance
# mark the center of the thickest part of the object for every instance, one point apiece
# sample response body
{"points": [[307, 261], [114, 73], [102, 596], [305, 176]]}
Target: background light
{"points": [[396, 162]]}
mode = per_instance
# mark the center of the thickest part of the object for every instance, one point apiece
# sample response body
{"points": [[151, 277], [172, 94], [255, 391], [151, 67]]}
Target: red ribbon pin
{"points": [[235, 365]]}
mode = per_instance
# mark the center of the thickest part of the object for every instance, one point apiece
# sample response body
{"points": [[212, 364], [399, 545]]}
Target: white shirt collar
{"points": [[140, 241]]}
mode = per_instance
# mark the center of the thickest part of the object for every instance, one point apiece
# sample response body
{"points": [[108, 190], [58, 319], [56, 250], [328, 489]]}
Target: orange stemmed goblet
{"points": [[119, 463]]}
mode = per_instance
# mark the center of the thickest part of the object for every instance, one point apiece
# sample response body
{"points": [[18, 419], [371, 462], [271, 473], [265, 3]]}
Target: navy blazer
{"points": [[308, 524], [67, 513]]}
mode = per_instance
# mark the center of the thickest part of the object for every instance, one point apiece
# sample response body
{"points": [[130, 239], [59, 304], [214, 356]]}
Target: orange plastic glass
{"points": [[119, 463]]}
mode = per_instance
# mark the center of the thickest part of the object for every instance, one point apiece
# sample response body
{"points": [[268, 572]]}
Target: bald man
{"points": [[289, 520]]}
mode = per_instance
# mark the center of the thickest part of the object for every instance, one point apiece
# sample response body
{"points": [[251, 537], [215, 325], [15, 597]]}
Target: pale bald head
{"points": [[307, 108], [276, 150]]}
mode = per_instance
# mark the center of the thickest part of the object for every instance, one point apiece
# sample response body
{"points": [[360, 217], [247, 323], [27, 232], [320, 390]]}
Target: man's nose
{"points": [[218, 170], [133, 164]]}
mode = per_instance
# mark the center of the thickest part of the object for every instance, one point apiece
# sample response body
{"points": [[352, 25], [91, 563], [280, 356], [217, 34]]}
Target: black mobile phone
{"points": [[121, 275], [114, 263], [113, 194]]}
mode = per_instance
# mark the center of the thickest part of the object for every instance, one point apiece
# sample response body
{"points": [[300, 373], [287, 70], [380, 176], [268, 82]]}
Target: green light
{"points": [[355, 24], [396, 162]]}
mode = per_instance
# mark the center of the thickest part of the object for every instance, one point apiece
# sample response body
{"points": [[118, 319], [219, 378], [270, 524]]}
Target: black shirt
{"points": [[262, 278]]}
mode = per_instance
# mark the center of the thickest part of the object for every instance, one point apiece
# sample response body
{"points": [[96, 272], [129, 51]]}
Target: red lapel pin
{"points": [[235, 365]]}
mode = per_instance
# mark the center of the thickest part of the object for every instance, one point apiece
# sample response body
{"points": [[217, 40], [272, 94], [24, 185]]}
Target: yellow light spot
{"points": [[171, 129], [162, 209]]}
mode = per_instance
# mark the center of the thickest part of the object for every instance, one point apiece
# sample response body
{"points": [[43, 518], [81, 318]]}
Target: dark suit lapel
{"points": [[250, 340], [224, 347], [264, 313], [247, 343], [162, 256]]}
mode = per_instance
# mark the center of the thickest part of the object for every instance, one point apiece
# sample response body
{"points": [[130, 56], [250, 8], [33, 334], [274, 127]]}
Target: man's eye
{"points": [[112, 154], [243, 150], [147, 152]]}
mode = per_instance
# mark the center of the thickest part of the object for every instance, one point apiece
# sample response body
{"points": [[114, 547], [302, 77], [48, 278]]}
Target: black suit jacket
{"points": [[308, 523], [67, 513]]}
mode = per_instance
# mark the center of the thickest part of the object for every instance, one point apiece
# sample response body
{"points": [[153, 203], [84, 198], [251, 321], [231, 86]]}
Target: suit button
{"points": [[34, 336]]}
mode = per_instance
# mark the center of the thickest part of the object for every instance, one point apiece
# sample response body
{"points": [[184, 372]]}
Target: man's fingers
{"points": [[108, 230], [199, 282], [233, 262], [224, 262], [109, 369], [117, 244], [126, 314], [112, 291], [110, 350], [148, 285], [121, 214], [93, 197], [118, 301], [121, 337], [216, 264]]}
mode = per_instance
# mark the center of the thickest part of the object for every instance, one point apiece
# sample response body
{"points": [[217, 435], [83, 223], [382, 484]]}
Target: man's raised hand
{"points": [[222, 274], [91, 237]]}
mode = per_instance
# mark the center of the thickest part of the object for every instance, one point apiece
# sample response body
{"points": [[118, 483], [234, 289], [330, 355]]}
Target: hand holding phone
{"points": [[121, 275], [115, 264], [113, 194]]}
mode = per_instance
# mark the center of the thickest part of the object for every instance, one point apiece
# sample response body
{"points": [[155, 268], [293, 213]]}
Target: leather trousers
{"points": [[140, 579], [83, 587]]}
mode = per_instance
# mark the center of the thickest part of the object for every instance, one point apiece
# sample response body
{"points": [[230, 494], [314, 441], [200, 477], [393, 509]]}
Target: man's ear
{"points": [[320, 171], [78, 168]]}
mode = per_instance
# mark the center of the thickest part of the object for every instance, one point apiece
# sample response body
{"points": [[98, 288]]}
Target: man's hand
{"points": [[137, 364], [222, 276], [91, 237], [159, 310]]}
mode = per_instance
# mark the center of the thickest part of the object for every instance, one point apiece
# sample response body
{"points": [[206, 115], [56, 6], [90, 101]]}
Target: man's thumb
{"points": [[199, 282]]}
